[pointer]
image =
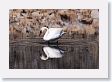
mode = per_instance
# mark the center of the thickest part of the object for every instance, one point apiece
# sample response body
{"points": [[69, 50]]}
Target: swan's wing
{"points": [[53, 33], [55, 36], [52, 52]]}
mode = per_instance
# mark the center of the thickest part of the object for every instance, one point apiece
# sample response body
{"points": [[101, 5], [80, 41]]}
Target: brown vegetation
{"points": [[27, 22]]}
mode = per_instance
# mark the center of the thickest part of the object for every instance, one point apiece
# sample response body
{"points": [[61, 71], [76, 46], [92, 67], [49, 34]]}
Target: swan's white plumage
{"points": [[52, 53], [52, 33]]}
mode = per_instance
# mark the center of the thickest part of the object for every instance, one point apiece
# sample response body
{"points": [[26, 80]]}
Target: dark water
{"points": [[80, 55]]}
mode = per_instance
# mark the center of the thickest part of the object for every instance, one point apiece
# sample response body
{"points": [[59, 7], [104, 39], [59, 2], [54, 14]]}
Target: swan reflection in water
{"points": [[52, 52]]}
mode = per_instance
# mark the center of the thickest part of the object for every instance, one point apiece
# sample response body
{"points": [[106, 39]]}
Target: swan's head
{"points": [[43, 30], [43, 57]]}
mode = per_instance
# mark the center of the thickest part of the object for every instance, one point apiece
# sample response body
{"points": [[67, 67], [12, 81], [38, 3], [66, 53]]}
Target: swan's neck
{"points": [[46, 33], [44, 58], [45, 28]]}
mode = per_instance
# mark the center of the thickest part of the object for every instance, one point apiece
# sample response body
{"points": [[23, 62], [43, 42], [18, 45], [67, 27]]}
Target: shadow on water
{"points": [[54, 56]]}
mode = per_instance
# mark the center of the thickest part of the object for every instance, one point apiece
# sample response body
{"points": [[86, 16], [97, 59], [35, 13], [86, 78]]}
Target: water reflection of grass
{"points": [[77, 55]]}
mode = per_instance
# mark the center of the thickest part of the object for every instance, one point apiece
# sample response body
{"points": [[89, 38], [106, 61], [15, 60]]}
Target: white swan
{"points": [[51, 52], [52, 33]]}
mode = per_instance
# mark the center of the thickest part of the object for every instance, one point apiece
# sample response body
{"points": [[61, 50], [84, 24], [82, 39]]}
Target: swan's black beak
{"points": [[40, 33]]}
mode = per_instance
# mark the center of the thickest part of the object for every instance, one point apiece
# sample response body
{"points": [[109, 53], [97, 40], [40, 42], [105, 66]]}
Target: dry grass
{"points": [[27, 22]]}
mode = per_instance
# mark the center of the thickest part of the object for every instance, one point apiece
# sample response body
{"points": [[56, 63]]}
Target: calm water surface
{"points": [[80, 55]]}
